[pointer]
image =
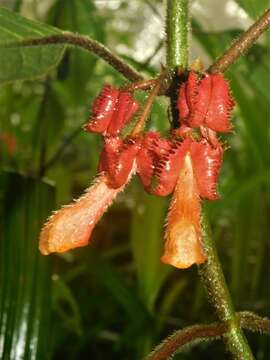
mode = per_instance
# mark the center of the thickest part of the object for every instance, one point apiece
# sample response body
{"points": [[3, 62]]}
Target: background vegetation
{"points": [[114, 299]]}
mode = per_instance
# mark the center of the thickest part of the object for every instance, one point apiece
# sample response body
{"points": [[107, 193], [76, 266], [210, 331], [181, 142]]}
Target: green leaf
{"points": [[147, 245], [66, 306], [25, 275], [78, 16], [254, 8], [19, 63], [119, 289]]}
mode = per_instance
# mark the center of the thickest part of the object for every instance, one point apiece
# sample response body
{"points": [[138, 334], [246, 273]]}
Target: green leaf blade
{"points": [[21, 63], [25, 274]]}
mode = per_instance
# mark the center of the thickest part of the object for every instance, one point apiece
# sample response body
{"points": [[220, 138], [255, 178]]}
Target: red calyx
{"points": [[103, 110], [168, 167], [126, 107], [117, 159], [206, 162], [205, 102], [159, 162], [153, 147], [112, 110]]}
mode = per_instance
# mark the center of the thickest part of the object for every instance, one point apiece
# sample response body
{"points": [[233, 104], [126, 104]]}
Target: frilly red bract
{"points": [[112, 110], [117, 158], [205, 101]]}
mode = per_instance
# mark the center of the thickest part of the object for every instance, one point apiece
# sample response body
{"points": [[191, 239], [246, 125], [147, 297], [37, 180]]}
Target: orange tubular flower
{"points": [[183, 246], [72, 226], [197, 178]]}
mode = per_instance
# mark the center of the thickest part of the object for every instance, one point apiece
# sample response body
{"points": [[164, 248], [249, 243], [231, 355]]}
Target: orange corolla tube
{"points": [[71, 226], [183, 246]]}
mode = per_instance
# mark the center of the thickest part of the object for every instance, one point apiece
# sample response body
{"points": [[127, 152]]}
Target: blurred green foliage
{"points": [[115, 300]]}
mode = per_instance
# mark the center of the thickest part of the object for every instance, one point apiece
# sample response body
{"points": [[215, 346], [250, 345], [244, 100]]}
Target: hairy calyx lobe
{"points": [[205, 100], [112, 109]]}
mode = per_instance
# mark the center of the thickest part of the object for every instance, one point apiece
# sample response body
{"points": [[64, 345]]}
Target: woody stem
{"points": [[214, 281]]}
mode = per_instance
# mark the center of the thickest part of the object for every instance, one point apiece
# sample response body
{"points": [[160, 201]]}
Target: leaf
{"points": [[123, 294], [147, 245], [25, 275], [77, 67], [19, 63], [66, 306], [254, 8]]}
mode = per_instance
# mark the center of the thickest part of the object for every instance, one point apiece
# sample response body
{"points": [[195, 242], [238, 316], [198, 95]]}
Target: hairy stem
{"points": [[85, 42], [213, 278], [177, 28], [242, 44], [254, 322], [192, 335], [188, 335]]}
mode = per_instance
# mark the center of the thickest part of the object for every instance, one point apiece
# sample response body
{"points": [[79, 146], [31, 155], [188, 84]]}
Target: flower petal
{"points": [[167, 169], [126, 107], [182, 104], [206, 161], [187, 96], [112, 110], [220, 106], [117, 159], [183, 246], [201, 102], [192, 89], [205, 102], [103, 110], [152, 148], [71, 226]]}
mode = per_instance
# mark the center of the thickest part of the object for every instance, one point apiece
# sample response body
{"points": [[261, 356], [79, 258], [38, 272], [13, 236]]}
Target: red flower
{"points": [[197, 179], [183, 246], [72, 226], [181, 165], [117, 159], [111, 111], [205, 101]]}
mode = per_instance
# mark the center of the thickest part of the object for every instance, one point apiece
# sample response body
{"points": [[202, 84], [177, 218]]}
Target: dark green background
{"points": [[115, 300]]}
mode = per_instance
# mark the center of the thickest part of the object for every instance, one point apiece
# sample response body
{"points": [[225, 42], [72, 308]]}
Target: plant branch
{"points": [[140, 85], [189, 335], [85, 42], [177, 29], [254, 322], [193, 334], [218, 294], [148, 104], [242, 44]]}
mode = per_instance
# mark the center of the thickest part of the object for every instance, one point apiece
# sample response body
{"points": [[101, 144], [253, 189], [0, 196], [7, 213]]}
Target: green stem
{"points": [[213, 278], [177, 28]]}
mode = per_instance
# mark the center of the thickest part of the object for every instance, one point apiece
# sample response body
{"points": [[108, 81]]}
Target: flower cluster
{"points": [[185, 164]]}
